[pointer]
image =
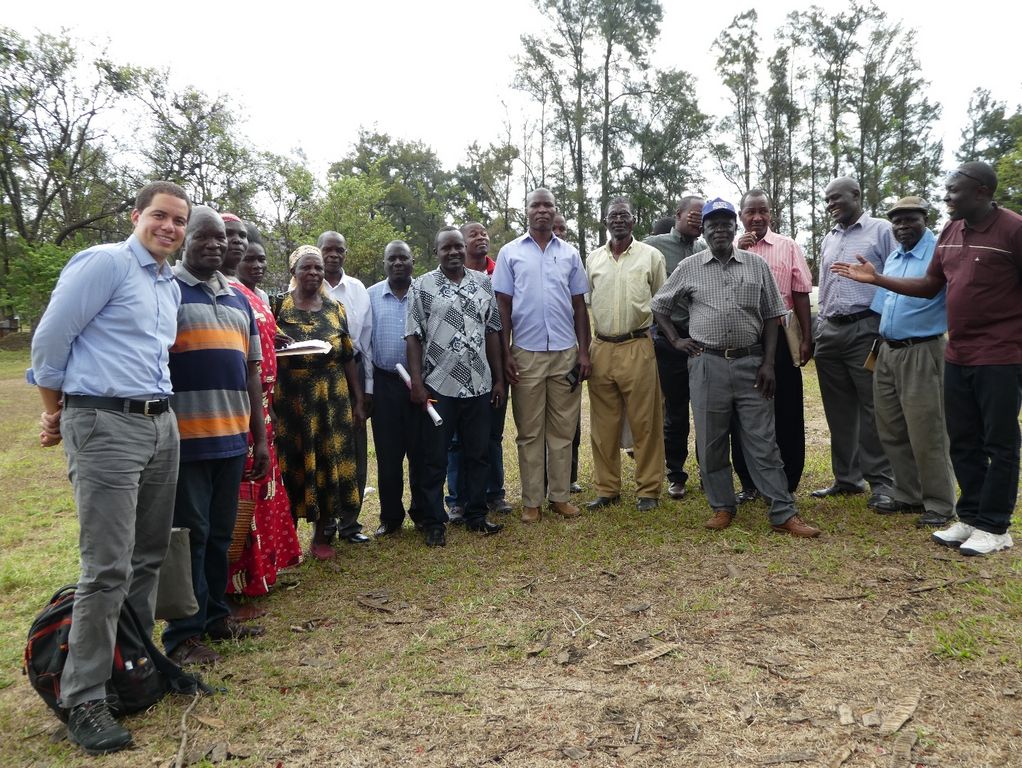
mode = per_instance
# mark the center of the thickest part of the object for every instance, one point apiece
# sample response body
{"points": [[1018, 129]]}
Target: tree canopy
{"points": [[826, 94]]}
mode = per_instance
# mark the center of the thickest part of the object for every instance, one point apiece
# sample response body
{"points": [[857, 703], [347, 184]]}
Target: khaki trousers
{"points": [[625, 382], [545, 412]]}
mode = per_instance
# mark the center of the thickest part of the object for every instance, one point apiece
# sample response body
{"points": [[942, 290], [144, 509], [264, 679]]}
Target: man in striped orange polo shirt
{"points": [[214, 368]]}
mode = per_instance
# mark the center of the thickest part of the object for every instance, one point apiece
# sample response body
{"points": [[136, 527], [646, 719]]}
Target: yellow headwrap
{"points": [[305, 250]]}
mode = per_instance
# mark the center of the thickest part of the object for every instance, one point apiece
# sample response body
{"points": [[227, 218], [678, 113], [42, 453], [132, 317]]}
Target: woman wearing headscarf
{"points": [[317, 397]]}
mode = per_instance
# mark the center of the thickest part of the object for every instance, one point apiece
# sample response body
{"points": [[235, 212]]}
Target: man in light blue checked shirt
{"points": [[396, 420]]}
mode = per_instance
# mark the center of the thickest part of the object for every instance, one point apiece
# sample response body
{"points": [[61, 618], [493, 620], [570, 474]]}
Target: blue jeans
{"points": [[456, 492], [206, 504]]}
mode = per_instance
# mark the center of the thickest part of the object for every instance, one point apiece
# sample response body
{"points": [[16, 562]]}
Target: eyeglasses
{"points": [[625, 216]]}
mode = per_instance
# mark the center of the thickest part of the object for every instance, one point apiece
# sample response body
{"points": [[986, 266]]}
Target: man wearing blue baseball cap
{"points": [[730, 296]]}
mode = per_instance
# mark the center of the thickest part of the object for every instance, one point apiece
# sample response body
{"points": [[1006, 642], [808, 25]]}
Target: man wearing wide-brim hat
{"points": [[908, 381]]}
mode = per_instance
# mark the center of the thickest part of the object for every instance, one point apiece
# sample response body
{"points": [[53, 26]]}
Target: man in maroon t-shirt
{"points": [[979, 258]]}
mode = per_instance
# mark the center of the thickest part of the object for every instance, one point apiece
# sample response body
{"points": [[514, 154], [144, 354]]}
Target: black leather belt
{"points": [[852, 318], [378, 371], [735, 352], [902, 343], [145, 407], [624, 336]]}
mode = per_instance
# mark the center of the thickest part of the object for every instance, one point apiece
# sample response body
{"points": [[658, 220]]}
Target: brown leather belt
{"points": [[624, 336]]}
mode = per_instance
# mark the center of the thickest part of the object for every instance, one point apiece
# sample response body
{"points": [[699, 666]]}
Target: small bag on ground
{"points": [[175, 596]]}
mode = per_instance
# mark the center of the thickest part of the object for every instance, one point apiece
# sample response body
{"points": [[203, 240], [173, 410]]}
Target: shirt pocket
{"points": [[747, 296]]}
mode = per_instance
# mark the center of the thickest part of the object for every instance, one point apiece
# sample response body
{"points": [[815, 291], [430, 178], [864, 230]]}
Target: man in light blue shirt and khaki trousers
{"points": [[100, 359], [908, 380], [540, 283]]}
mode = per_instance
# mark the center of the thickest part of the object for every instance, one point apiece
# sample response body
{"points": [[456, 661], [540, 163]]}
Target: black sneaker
{"points": [[92, 727]]}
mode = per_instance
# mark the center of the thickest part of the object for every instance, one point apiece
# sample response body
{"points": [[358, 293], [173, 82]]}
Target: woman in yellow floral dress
{"points": [[317, 397]]}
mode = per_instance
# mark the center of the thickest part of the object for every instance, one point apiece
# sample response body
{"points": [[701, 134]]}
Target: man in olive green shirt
{"points": [[677, 245]]}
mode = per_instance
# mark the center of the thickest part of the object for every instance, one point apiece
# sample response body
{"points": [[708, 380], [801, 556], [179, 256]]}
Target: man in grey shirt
{"points": [[845, 332], [731, 296], [672, 366]]}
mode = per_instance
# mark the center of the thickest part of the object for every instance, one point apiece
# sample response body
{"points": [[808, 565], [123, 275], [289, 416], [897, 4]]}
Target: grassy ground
{"points": [[536, 647]]}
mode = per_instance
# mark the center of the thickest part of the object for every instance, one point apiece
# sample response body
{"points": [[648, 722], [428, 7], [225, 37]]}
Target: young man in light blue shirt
{"points": [[100, 359]]}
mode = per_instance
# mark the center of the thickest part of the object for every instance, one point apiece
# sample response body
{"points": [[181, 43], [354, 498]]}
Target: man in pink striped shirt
{"points": [[791, 273]]}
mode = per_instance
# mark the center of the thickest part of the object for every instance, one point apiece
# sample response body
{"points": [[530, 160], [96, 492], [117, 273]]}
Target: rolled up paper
{"points": [[437, 421]]}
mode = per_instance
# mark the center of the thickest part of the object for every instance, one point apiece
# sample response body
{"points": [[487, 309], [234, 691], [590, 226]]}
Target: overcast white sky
{"points": [[308, 74]]}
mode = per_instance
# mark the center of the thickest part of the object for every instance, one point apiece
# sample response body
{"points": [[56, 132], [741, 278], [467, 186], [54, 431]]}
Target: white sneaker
{"points": [[954, 536], [984, 543]]}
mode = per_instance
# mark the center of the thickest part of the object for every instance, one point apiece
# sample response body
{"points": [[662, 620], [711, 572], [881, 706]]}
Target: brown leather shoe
{"points": [[530, 514], [796, 526], [721, 519], [565, 508], [193, 651]]}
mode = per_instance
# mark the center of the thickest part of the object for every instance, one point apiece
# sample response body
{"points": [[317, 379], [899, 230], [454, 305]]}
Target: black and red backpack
{"points": [[140, 677]]}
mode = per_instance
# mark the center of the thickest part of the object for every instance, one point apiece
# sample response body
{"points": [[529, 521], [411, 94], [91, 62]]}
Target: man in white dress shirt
{"points": [[350, 292]]}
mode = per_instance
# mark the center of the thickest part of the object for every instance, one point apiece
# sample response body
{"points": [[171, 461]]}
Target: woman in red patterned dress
{"points": [[272, 542]]}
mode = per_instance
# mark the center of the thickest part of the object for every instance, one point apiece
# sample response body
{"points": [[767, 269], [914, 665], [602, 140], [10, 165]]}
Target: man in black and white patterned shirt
{"points": [[454, 359], [730, 296]]}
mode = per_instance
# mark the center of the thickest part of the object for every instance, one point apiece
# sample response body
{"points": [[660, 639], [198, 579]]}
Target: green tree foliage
{"points": [[485, 182], [555, 68], [844, 97], [196, 143], [666, 134], [1009, 178], [56, 174], [738, 47], [351, 206], [416, 190], [32, 278], [992, 131], [612, 118]]}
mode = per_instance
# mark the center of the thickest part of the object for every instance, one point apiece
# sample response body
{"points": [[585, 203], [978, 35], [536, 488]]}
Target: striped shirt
{"points": [[870, 238], [389, 346], [216, 340], [787, 263], [727, 303]]}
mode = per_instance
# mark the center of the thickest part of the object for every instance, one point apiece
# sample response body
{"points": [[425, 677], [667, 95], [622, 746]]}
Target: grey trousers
{"points": [[908, 392], [720, 388], [123, 468], [847, 391]]}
